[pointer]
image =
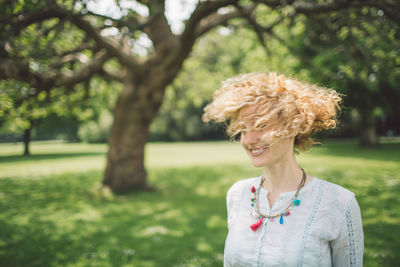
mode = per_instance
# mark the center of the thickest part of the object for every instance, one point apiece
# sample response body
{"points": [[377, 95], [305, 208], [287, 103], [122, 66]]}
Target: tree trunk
{"points": [[368, 135], [125, 169], [27, 139], [135, 109]]}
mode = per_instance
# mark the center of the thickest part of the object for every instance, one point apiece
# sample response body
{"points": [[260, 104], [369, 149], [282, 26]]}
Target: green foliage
{"points": [[96, 131], [56, 127], [96, 116], [354, 52], [221, 54], [60, 216], [71, 107], [47, 47]]}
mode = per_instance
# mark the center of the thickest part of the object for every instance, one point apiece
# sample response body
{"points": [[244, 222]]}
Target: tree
{"points": [[144, 77], [222, 53], [35, 62], [356, 51]]}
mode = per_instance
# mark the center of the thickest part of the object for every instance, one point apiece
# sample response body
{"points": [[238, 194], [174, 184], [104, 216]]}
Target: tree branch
{"points": [[21, 21], [113, 46], [69, 58], [85, 72], [17, 70], [56, 11], [314, 7], [21, 71], [113, 75], [216, 19], [202, 10], [391, 8], [133, 21], [160, 34], [260, 30], [305, 7]]}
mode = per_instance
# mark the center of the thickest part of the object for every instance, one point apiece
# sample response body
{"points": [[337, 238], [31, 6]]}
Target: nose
{"points": [[249, 138]]}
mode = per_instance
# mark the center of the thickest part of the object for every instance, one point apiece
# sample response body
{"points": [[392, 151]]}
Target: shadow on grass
{"points": [[380, 207], [377, 192], [65, 220], [37, 244]]}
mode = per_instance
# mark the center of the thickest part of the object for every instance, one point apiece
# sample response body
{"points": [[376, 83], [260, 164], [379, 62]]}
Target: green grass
{"points": [[52, 212]]}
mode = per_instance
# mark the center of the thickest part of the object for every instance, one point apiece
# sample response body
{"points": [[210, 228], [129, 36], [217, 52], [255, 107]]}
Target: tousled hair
{"points": [[285, 106]]}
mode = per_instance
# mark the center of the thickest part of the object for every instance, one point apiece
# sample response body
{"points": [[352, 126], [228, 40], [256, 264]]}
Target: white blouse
{"points": [[324, 230]]}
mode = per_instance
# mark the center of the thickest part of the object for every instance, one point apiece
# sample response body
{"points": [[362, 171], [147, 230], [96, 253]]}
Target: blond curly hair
{"points": [[285, 106]]}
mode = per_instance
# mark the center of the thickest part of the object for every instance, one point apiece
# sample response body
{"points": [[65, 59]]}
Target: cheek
{"points": [[283, 148]]}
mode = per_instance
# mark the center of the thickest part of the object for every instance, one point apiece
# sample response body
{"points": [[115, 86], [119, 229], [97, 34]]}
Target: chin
{"points": [[259, 162]]}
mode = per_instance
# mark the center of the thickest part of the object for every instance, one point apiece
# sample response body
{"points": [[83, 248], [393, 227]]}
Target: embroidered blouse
{"points": [[324, 230]]}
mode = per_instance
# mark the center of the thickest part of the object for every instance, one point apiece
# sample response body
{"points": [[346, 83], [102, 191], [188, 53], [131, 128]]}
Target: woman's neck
{"points": [[283, 176]]}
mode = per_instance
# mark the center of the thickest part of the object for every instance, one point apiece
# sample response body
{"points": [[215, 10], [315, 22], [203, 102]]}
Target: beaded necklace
{"points": [[286, 212]]}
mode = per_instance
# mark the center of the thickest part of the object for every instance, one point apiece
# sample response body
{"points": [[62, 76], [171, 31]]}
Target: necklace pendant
{"points": [[256, 225], [255, 214], [286, 212], [296, 202]]}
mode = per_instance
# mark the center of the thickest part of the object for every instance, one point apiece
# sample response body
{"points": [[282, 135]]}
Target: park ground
{"points": [[53, 211]]}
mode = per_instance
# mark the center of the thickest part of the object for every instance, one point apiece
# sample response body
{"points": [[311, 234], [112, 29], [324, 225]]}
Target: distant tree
{"points": [[21, 113], [12, 119], [357, 52], [95, 39]]}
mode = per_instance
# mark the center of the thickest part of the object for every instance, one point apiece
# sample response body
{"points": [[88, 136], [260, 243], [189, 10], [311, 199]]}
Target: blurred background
{"points": [[104, 158]]}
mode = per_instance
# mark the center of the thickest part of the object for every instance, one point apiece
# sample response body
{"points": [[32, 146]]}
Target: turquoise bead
{"points": [[296, 202], [281, 220]]}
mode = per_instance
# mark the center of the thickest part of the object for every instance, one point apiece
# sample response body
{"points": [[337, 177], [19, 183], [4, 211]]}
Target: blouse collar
{"points": [[310, 184]]}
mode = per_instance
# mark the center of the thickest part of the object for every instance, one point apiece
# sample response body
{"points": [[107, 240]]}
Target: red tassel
{"points": [[255, 226]]}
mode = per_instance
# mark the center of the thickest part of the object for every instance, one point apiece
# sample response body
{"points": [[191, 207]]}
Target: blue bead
{"points": [[252, 204], [296, 202], [281, 220]]}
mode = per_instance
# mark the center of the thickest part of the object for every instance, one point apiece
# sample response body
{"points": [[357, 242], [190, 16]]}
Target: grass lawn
{"points": [[52, 212]]}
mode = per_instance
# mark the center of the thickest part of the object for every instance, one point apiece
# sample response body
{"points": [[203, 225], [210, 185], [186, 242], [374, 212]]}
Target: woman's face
{"points": [[263, 153], [263, 149]]}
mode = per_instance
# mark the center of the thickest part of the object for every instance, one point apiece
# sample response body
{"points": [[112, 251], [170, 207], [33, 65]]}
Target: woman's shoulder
{"points": [[337, 195], [244, 183], [235, 191], [336, 188]]}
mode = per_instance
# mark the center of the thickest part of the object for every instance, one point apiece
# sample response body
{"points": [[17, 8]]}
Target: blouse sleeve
{"points": [[232, 202], [347, 249]]}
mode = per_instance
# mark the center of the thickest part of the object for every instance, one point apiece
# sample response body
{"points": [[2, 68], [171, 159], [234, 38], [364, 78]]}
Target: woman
{"points": [[284, 217]]}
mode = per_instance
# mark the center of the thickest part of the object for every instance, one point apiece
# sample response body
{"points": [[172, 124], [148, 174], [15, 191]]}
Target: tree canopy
{"points": [[57, 47]]}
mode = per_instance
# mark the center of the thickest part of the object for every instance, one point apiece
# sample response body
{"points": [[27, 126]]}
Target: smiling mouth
{"points": [[257, 151]]}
